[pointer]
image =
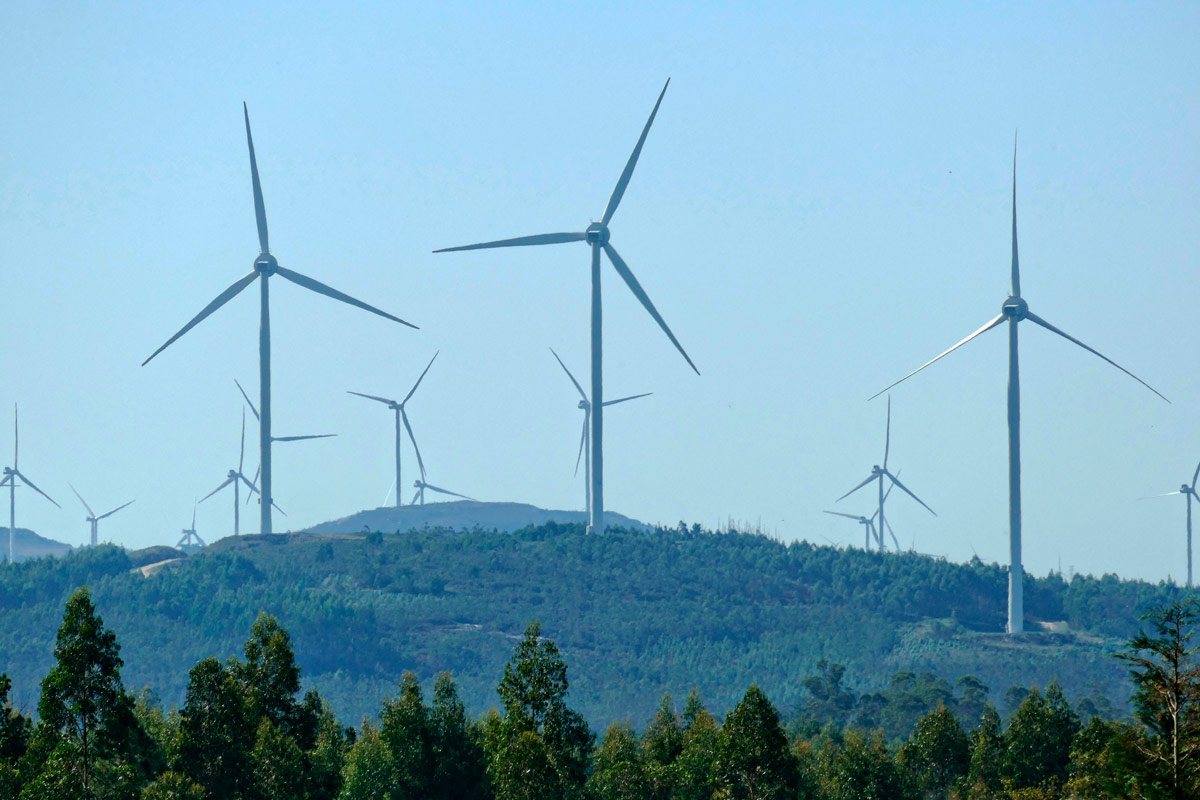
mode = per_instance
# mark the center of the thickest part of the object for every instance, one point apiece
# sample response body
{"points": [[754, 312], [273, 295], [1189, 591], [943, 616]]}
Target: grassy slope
{"points": [[636, 614]]}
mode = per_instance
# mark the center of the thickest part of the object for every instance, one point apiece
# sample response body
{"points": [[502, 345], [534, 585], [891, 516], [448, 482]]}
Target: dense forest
{"points": [[244, 732], [636, 613]]}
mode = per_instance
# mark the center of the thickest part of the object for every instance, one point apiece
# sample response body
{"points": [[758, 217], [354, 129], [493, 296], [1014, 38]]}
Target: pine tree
{"points": [[215, 736], [693, 768], [459, 764], [406, 730], [367, 774], [269, 676], [753, 758], [937, 754], [661, 745], [1037, 744], [620, 771], [987, 750]]}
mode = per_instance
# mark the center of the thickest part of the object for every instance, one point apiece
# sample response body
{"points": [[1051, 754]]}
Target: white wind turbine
{"points": [[265, 266], [190, 542], [92, 519], [1189, 492], [584, 443], [597, 237], [402, 418], [11, 474], [421, 486]]}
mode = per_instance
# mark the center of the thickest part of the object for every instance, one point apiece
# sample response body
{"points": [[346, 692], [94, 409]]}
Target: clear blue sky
{"points": [[822, 205]]}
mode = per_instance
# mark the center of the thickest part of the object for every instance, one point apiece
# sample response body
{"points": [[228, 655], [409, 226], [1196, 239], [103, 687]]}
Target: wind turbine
{"points": [[1014, 310], [10, 479], [235, 478], [597, 237], [868, 524], [92, 519], [1190, 493], [191, 542], [583, 439], [264, 267], [422, 486], [879, 473], [402, 417]]}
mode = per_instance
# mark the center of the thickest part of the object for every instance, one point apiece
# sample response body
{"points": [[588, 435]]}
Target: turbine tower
{"points": [[92, 519], [586, 405], [422, 486], [264, 267], [191, 542], [1014, 310], [1190, 493], [597, 237], [11, 474], [402, 417], [879, 473]]}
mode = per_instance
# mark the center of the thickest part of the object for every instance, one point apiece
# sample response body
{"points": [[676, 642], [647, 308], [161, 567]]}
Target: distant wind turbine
{"points": [[402, 418], [1190, 493], [868, 524], [11, 474], [422, 486], [584, 444], [879, 473], [235, 478], [190, 542], [597, 237], [264, 267], [1014, 310], [92, 519]]}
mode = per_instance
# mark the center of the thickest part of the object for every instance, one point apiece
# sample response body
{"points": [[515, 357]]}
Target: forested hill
{"points": [[636, 614]]}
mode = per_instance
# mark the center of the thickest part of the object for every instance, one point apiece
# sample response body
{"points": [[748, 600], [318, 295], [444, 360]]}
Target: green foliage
{"points": [[937, 754], [694, 779], [620, 769], [1037, 744], [987, 751], [753, 758], [456, 747], [15, 728], [215, 735], [368, 772], [863, 769], [173, 786], [662, 744], [406, 729], [277, 764]]}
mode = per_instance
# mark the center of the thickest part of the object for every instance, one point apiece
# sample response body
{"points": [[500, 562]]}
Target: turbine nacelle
{"points": [[266, 264], [1015, 308], [1185, 489], [597, 233], [584, 404]]}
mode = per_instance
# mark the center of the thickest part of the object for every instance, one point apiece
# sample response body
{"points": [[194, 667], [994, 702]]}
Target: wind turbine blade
{"points": [[627, 173], [29, 483], [906, 490], [854, 517], [16, 437], [253, 410], [418, 383], [85, 505], [251, 486], [260, 210], [569, 375], [623, 399], [253, 483], [194, 504], [1165, 494], [521, 241], [433, 488], [301, 438], [320, 288], [856, 488], [372, 397], [638, 292], [1035, 318], [887, 442], [1195, 475], [277, 508], [582, 441], [214, 491], [242, 451], [1016, 269], [115, 510], [413, 439], [221, 299], [7, 480], [416, 494], [982, 330], [895, 541]]}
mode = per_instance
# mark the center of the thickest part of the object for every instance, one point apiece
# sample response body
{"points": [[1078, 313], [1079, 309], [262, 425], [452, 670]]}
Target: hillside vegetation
{"points": [[637, 614]]}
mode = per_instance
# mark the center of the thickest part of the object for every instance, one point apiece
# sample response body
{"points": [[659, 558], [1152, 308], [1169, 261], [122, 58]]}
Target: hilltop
{"points": [[636, 613], [463, 515], [29, 545]]}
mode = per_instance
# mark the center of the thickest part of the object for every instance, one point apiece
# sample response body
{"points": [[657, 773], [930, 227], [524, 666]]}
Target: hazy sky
{"points": [[822, 205]]}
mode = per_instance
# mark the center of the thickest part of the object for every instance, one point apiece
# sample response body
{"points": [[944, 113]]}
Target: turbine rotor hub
{"points": [[266, 264], [584, 404], [597, 233], [1185, 489], [1015, 308]]}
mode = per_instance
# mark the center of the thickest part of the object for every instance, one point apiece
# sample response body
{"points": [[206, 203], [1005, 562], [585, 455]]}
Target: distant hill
{"points": [[463, 515], [30, 545], [636, 613]]}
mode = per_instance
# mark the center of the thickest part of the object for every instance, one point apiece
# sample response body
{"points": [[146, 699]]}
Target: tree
{"points": [[459, 764], [987, 750], [661, 745], [15, 727], [368, 771], [215, 737], [827, 701], [1166, 699], [971, 700], [753, 758], [937, 754], [693, 776], [406, 730], [1037, 744], [269, 676], [82, 693], [173, 786], [277, 764], [535, 678], [864, 770], [620, 771]]}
